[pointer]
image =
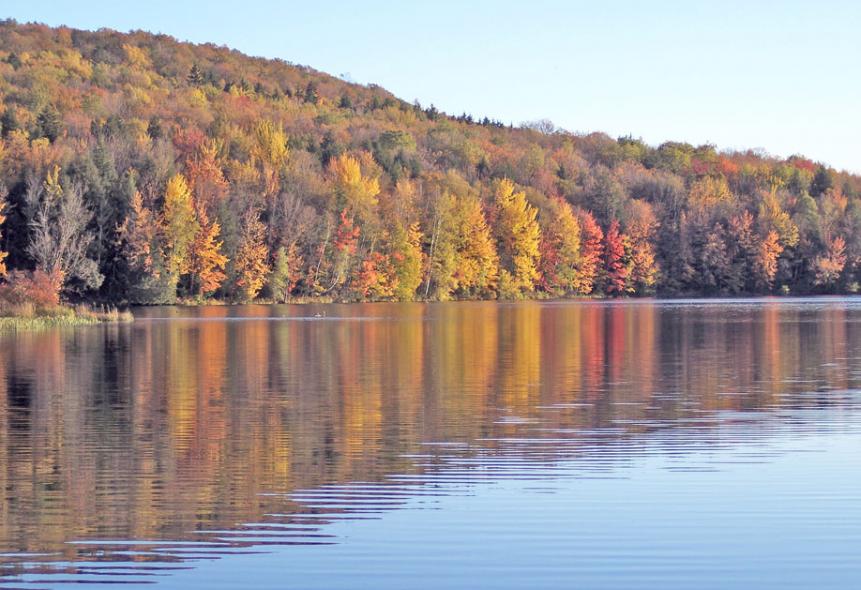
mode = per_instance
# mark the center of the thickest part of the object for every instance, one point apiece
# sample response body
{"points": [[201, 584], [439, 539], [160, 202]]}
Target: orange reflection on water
{"points": [[180, 422]]}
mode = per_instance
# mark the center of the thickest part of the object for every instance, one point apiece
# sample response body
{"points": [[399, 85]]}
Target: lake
{"points": [[624, 445]]}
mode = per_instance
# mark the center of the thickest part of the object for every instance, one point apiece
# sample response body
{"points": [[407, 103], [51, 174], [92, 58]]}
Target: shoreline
{"points": [[87, 315], [581, 299], [63, 316]]}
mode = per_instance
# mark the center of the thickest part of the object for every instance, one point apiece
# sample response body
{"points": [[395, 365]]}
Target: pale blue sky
{"points": [[781, 76]]}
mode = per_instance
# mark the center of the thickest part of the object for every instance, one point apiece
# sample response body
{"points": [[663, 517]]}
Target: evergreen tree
{"points": [[823, 180], [310, 95], [195, 76], [48, 124]]}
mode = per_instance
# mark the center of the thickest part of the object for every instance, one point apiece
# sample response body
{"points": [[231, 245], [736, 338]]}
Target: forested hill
{"points": [[136, 168]]}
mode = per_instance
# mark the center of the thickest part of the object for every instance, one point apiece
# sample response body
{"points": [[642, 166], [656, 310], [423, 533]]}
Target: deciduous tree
{"points": [[616, 269], [561, 260], [829, 266], [355, 192], [250, 266], [641, 227], [407, 260], [517, 237], [59, 240], [206, 261], [285, 273], [592, 249], [765, 267], [179, 224]]}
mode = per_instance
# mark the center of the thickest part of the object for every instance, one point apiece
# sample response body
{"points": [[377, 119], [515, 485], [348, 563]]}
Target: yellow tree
{"points": [[709, 192], [270, 150], [250, 266], [400, 203], [560, 249], [407, 260], [462, 259], [206, 262], [518, 236], [773, 217], [355, 192], [765, 260], [477, 262], [640, 230], [179, 224]]}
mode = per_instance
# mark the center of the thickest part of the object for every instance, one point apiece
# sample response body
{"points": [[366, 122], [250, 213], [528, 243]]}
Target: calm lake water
{"points": [[618, 445]]}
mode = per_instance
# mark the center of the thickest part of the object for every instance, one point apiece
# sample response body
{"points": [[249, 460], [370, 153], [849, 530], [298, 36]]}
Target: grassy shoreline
{"points": [[28, 318]]}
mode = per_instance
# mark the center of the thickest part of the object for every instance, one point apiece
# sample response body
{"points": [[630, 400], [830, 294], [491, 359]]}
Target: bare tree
{"points": [[59, 240], [544, 126]]}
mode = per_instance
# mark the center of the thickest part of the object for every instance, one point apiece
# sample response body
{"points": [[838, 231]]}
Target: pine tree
{"points": [[310, 95], [195, 76], [9, 121], [823, 181], [49, 124]]}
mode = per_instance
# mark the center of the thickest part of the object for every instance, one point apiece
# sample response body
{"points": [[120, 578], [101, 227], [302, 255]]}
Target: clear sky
{"points": [[780, 76]]}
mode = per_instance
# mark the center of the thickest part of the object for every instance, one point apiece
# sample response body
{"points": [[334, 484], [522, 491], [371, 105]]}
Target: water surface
{"points": [[618, 445]]}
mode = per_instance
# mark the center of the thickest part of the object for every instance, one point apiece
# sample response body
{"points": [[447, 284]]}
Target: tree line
{"points": [[137, 169]]}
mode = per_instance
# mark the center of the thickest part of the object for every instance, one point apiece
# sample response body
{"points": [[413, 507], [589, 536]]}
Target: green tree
{"points": [[49, 124], [823, 181], [284, 273], [195, 76]]}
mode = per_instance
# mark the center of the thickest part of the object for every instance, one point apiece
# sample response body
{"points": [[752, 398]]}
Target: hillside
{"points": [[136, 168]]}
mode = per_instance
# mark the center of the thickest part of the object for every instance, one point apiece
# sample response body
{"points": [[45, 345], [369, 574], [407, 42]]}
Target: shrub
{"points": [[38, 289]]}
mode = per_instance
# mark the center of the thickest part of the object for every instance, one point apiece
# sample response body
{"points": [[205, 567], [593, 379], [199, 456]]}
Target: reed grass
{"points": [[27, 316]]}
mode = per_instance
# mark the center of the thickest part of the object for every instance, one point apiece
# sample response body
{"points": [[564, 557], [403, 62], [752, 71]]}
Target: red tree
{"points": [[615, 270], [591, 250]]}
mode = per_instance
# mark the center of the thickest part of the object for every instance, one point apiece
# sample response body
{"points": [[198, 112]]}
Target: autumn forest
{"points": [[136, 169]]}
